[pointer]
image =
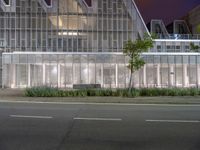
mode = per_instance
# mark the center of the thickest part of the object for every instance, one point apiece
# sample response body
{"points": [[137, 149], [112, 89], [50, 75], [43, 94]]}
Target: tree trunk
{"points": [[130, 81]]}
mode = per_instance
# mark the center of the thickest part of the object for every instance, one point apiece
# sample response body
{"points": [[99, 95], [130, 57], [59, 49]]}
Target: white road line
{"points": [[35, 117], [175, 121], [99, 119], [103, 104]]}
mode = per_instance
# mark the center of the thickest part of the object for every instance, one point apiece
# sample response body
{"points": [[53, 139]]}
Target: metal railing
{"points": [[179, 36]]}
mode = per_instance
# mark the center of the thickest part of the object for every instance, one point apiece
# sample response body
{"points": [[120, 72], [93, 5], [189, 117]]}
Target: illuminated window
{"points": [[7, 2], [88, 2], [48, 2]]}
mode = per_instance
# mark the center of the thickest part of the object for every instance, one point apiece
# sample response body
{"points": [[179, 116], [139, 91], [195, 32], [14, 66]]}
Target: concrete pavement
{"points": [[32, 126]]}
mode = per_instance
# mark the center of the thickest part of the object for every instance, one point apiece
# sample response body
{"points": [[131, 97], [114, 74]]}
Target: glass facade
{"points": [[109, 70], [173, 46], [69, 26]]}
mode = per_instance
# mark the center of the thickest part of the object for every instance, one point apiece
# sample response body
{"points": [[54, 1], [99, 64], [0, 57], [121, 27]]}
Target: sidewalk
{"points": [[18, 95]]}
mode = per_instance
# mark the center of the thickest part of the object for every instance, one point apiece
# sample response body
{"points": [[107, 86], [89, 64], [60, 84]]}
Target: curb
{"points": [[105, 100]]}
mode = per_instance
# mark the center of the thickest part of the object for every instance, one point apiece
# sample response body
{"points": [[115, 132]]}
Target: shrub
{"points": [[55, 92]]}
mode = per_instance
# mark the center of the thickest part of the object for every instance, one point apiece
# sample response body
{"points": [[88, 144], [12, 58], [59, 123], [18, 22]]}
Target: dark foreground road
{"points": [[99, 127]]}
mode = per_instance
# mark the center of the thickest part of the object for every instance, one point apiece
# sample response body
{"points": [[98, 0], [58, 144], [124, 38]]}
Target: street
{"points": [[50, 126]]}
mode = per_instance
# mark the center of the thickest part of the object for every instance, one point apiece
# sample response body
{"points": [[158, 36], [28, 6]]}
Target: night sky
{"points": [[167, 10]]}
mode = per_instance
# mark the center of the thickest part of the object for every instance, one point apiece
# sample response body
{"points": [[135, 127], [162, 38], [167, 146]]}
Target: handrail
{"points": [[179, 36]]}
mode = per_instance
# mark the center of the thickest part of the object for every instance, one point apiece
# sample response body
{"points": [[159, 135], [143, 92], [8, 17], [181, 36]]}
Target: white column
{"points": [[171, 75], [102, 76], [43, 73], [73, 74], [29, 75], [13, 84], [88, 73], [145, 76], [58, 73], [198, 75], [185, 76], [158, 75], [116, 76]]}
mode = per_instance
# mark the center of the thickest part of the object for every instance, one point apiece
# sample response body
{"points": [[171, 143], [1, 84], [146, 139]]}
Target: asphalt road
{"points": [[26, 126]]}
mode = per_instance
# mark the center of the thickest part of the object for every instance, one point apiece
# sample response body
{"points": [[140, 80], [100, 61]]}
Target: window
{"points": [[88, 2], [7, 2], [159, 47], [168, 47], [48, 2], [187, 47]]}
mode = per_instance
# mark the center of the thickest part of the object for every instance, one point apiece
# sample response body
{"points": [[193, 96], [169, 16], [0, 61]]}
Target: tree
{"points": [[194, 48], [198, 28], [134, 49]]}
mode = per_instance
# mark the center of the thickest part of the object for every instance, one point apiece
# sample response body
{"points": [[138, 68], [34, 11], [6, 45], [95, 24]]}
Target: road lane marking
{"points": [[103, 104], [175, 121], [99, 119], [35, 117]]}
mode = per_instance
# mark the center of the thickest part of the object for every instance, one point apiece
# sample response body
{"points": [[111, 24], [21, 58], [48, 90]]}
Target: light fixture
{"points": [[68, 33], [54, 71]]}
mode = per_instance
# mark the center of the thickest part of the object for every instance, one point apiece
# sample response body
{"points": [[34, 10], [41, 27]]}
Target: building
{"points": [[193, 19], [62, 43]]}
